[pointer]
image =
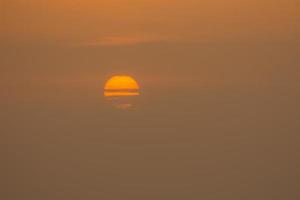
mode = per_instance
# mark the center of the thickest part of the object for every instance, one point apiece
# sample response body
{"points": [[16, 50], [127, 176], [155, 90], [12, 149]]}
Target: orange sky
{"points": [[216, 117], [192, 42], [92, 22]]}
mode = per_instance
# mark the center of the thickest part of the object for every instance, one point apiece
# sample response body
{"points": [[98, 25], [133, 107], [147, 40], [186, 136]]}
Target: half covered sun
{"points": [[118, 86]]}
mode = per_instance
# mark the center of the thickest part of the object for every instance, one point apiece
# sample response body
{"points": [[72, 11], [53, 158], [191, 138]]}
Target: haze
{"points": [[217, 116]]}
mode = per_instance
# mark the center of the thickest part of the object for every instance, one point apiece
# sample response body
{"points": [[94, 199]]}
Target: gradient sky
{"points": [[217, 118], [194, 21], [204, 33]]}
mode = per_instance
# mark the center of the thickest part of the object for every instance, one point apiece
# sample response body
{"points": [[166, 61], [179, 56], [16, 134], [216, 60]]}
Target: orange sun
{"points": [[121, 86]]}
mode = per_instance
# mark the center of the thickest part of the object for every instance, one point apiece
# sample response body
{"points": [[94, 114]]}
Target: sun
{"points": [[121, 85]]}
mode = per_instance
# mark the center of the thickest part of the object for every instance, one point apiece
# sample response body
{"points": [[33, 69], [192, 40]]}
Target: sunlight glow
{"points": [[121, 83], [120, 94], [121, 91]]}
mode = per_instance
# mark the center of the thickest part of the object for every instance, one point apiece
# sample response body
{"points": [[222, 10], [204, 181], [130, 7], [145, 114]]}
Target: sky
{"points": [[217, 116]]}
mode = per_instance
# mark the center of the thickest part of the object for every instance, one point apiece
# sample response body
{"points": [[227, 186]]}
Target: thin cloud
{"points": [[127, 40]]}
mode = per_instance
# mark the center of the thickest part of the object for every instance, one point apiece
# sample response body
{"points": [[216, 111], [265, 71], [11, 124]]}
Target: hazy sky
{"points": [[200, 34], [79, 21], [217, 118]]}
